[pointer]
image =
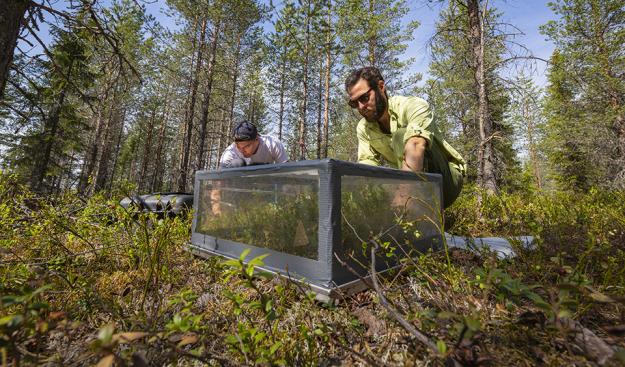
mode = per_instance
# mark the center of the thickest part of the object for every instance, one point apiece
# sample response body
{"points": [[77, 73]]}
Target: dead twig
{"points": [[385, 303]]}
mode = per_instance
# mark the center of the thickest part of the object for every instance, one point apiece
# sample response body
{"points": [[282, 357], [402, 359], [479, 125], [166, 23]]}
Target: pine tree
{"points": [[467, 92], [587, 79], [372, 34], [46, 152], [526, 116], [566, 130]]}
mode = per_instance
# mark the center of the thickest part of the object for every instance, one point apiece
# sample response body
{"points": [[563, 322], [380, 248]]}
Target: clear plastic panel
{"points": [[399, 212], [274, 211]]}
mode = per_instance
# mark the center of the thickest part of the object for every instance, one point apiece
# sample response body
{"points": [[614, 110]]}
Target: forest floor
{"points": [[86, 282]]}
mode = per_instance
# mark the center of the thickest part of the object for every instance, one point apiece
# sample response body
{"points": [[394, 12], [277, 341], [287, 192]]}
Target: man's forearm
{"points": [[414, 153]]}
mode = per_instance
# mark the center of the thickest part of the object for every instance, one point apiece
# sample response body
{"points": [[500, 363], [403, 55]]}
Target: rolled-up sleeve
{"points": [[419, 116], [366, 154]]}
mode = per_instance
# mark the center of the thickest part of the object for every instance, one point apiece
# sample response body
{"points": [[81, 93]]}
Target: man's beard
{"points": [[380, 106]]}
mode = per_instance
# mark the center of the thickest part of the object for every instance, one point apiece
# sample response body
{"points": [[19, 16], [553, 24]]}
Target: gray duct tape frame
{"points": [[325, 274]]}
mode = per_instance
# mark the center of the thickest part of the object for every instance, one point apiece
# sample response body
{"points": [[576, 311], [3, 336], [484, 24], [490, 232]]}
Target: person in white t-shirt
{"points": [[250, 148]]}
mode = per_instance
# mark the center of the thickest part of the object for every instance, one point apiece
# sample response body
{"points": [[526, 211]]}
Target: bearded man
{"points": [[402, 131]]}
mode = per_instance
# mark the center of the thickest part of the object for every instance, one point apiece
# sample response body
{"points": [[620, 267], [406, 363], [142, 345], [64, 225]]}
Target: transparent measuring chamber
{"points": [[317, 220]]}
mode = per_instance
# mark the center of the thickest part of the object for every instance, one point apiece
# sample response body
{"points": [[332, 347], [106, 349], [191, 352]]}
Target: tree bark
{"points": [[104, 170], [371, 44], [319, 108], [326, 107], [102, 141], [157, 179], [94, 142], [11, 17], [118, 147], [185, 150], [221, 138], [235, 78], [486, 168], [207, 95], [282, 87], [147, 150], [304, 101]]}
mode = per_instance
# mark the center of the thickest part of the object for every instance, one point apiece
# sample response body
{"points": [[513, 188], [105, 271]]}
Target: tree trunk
{"points": [[619, 126], [116, 122], [235, 78], [319, 107], [90, 159], [68, 182], [486, 168], [118, 146], [101, 140], [531, 144], [95, 141], [50, 130], [221, 137], [11, 17], [373, 39], [211, 152], [49, 135], [147, 150], [326, 108], [157, 179], [251, 105], [304, 102], [282, 87], [199, 160], [185, 150]]}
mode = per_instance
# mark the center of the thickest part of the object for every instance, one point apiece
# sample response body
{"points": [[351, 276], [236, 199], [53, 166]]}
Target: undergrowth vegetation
{"points": [[86, 282]]}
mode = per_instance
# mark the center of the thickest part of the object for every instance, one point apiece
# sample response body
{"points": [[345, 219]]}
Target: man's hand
{"points": [[414, 151]]}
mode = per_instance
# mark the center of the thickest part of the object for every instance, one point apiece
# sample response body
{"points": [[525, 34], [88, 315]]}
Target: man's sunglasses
{"points": [[364, 98]]}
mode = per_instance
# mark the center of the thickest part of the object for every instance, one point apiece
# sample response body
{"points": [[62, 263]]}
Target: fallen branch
{"points": [[403, 322]]}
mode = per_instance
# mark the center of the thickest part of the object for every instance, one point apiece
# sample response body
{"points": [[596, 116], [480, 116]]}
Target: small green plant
{"points": [[506, 288], [184, 320], [464, 326], [25, 319], [255, 345]]}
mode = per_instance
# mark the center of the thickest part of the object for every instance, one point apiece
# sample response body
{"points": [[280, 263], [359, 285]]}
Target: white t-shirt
{"points": [[270, 150]]}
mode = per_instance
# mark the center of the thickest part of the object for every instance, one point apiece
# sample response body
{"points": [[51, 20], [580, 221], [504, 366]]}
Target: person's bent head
{"points": [[245, 135], [367, 92]]}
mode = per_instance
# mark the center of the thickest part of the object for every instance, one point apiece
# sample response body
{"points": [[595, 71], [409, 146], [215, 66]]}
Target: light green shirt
{"points": [[413, 114]]}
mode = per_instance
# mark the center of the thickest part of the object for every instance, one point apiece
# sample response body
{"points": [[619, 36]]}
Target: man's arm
{"points": [[230, 160], [414, 152], [417, 136]]}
